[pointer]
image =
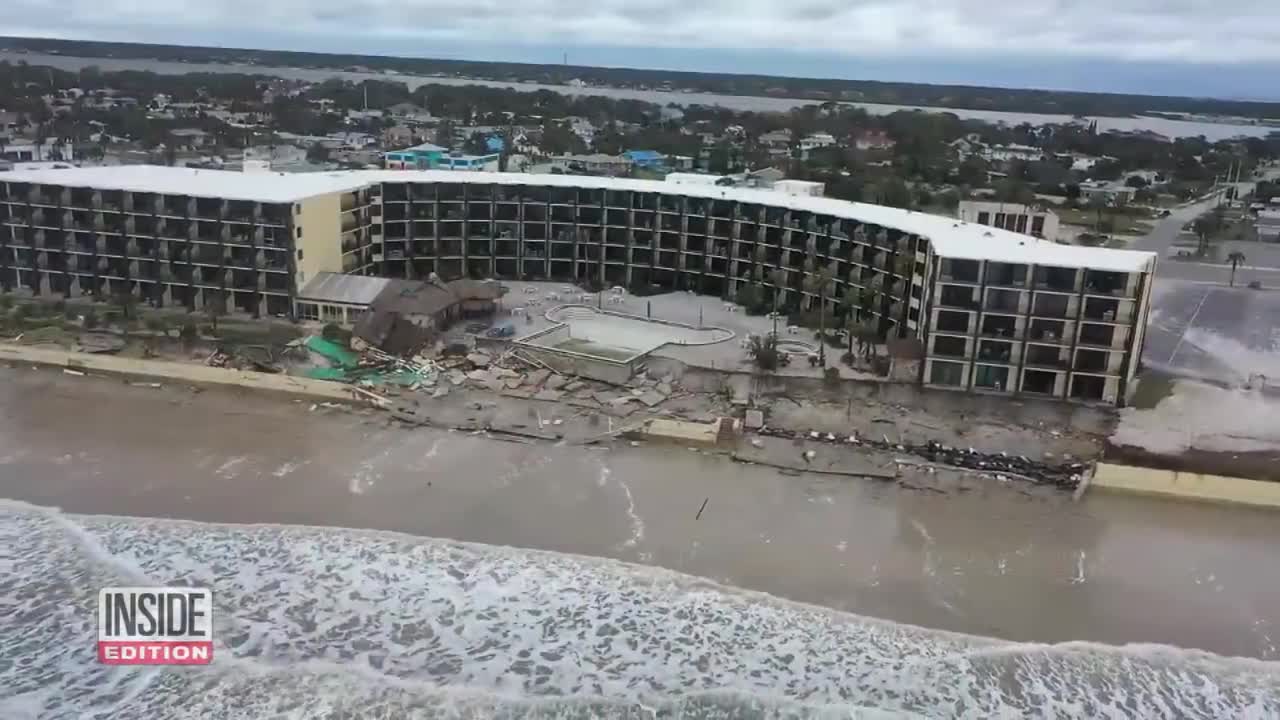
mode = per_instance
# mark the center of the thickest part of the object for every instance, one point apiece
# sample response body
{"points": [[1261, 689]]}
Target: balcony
{"points": [[953, 322], [1106, 310], [1006, 275], [1057, 279], [1095, 361], [1100, 282], [1046, 357], [946, 346], [958, 297], [1097, 335], [1051, 306], [1050, 331], [996, 352], [1000, 327], [1004, 301], [965, 271]]}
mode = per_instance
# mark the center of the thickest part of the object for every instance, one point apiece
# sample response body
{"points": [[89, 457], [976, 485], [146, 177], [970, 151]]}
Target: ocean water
{"points": [[332, 623]]}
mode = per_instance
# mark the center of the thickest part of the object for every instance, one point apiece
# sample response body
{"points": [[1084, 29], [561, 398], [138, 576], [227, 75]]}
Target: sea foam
{"points": [[328, 623]]}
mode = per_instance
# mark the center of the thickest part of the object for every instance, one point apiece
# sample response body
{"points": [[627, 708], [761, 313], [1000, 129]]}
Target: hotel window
{"points": [[308, 311], [1037, 226], [984, 218]]}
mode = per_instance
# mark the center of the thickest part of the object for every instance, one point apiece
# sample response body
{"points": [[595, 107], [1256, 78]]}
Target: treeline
{"points": [[956, 96]]}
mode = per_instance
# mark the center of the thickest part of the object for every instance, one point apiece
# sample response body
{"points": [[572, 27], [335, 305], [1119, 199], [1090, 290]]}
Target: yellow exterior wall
{"points": [[1190, 486], [321, 242]]}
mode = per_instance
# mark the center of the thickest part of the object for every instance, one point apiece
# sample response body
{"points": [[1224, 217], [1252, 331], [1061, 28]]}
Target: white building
{"points": [[1005, 153], [1267, 225], [1036, 221], [995, 311], [799, 187]]}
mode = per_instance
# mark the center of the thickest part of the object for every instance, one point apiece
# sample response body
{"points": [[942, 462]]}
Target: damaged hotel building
{"points": [[996, 311]]}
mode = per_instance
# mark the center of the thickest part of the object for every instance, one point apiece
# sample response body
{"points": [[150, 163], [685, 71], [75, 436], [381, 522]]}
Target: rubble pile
{"points": [[1001, 466]]}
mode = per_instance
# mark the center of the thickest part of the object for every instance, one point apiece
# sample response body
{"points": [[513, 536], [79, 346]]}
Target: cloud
{"points": [[1178, 31]]}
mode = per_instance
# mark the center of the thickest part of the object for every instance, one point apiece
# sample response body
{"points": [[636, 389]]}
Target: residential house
{"points": [[816, 140], [649, 159], [397, 135], [361, 115], [419, 157], [594, 164], [873, 140], [1111, 192], [1267, 225], [192, 138], [799, 188], [775, 139], [1005, 153]]}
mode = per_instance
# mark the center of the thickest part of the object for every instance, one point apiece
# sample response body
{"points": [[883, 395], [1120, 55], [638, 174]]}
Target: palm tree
{"points": [[778, 277], [1236, 258], [821, 283]]}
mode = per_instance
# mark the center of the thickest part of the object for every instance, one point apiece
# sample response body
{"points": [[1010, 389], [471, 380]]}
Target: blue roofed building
{"points": [[646, 158], [433, 157], [419, 157]]}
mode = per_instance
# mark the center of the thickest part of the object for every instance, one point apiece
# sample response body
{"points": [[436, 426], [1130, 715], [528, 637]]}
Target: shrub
{"points": [[90, 319], [188, 333], [764, 351], [831, 376]]}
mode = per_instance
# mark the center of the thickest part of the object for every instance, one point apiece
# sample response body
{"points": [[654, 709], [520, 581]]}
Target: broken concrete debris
{"points": [[1065, 475]]}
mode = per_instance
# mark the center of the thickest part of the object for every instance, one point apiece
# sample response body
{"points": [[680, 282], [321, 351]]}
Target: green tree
{"points": [[188, 334], [1014, 191], [1236, 258], [866, 333], [764, 352], [749, 295], [778, 278], [214, 308], [127, 304]]}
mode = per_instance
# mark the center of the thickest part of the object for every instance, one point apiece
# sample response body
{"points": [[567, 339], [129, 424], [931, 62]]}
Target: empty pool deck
{"points": [[534, 300], [611, 329]]}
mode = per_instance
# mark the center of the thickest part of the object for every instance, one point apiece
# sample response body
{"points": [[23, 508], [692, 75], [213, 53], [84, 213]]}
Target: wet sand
{"points": [[993, 562]]}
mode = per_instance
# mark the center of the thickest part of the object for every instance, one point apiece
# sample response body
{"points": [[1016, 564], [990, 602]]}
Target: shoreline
{"points": [[1157, 466], [962, 554]]}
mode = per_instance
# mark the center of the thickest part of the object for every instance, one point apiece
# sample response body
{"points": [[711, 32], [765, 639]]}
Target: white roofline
{"points": [[950, 237]]}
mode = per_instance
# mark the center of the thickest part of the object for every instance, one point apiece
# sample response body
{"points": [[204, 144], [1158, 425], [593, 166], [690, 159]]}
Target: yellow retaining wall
{"points": [[1189, 486], [163, 371]]}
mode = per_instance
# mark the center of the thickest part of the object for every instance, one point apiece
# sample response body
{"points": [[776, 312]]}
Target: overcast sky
{"points": [[1200, 47]]}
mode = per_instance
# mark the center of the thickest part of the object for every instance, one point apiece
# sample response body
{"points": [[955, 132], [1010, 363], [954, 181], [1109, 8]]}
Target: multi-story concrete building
{"points": [[996, 311], [1040, 222]]}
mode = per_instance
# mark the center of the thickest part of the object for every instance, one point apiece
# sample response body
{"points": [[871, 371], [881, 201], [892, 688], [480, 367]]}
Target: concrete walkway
{"points": [[178, 373]]}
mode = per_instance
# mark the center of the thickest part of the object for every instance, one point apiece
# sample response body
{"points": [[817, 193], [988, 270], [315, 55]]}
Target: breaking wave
{"points": [[333, 623]]}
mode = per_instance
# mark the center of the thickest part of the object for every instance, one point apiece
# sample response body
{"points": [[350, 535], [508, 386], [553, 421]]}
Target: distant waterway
{"points": [[1171, 128]]}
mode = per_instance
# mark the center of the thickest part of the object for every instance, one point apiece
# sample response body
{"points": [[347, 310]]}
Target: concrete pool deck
{"points": [[677, 307]]}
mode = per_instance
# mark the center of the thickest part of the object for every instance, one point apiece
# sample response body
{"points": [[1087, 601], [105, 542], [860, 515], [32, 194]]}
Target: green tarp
{"points": [[332, 352]]}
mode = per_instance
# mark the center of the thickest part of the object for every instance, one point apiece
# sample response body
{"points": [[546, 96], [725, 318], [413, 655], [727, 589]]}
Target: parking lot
{"points": [[1218, 333]]}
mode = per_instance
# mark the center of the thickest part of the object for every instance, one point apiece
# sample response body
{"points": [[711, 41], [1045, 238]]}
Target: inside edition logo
{"points": [[155, 626]]}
